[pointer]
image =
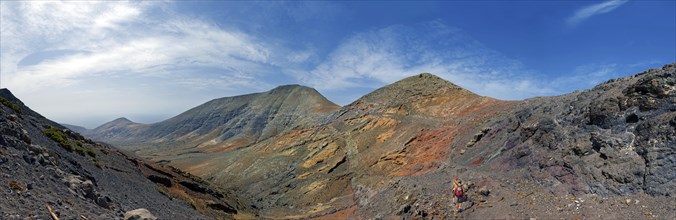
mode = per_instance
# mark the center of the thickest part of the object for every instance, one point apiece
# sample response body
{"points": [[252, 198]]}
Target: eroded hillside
{"points": [[49, 172], [394, 151]]}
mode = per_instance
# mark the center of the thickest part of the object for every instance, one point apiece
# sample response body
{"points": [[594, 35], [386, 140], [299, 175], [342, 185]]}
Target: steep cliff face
{"points": [[394, 151], [48, 170]]}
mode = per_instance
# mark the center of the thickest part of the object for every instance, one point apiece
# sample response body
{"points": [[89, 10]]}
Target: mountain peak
{"points": [[5, 93], [424, 81], [119, 122], [413, 87], [122, 120], [303, 92], [290, 86], [285, 89]]}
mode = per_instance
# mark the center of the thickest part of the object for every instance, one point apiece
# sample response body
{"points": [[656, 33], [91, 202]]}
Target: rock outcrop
{"points": [[615, 139]]}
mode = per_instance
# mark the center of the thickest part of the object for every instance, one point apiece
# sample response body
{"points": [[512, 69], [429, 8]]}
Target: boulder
{"points": [[88, 188], [484, 191], [103, 201], [139, 214]]}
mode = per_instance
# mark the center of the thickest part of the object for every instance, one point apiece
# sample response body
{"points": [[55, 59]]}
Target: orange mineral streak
{"points": [[325, 154], [289, 139], [431, 147], [382, 137], [380, 123], [426, 151]]}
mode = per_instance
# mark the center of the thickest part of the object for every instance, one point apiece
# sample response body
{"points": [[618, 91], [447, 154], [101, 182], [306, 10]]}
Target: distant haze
{"points": [[86, 63]]}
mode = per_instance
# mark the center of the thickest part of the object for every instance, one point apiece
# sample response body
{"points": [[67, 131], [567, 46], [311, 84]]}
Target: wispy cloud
{"points": [[102, 60], [116, 44], [171, 43], [587, 12], [379, 57]]}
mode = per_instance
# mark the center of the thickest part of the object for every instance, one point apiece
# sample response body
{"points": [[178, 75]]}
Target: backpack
{"points": [[458, 191]]}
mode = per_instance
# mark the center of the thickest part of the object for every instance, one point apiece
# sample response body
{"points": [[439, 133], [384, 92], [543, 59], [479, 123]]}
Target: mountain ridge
{"points": [[406, 139], [258, 115]]}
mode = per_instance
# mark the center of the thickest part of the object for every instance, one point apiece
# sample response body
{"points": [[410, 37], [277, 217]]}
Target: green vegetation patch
{"points": [[79, 150], [91, 152], [97, 163], [10, 104], [58, 136]]}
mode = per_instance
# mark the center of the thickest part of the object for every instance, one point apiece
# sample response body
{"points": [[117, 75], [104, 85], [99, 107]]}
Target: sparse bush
{"points": [[10, 104], [104, 151], [97, 163], [91, 152], [58, 136], [79, 150]]}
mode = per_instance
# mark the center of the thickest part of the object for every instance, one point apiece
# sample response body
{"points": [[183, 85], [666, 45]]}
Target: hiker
{"points": [[458, 193]]}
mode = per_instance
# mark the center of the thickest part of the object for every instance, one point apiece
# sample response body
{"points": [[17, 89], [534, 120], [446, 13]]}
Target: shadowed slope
{"points": [[45, 165]]}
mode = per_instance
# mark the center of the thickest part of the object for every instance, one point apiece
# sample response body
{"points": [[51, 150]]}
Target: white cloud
{"points": [[376, 58], [379, 57], [173, 43], [105, 59], [585, 13], [584, 77], [117, 15], [119, 44], [301, 56]]}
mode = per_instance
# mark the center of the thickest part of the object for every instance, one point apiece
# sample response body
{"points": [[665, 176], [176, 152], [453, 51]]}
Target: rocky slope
{"points": [[615, 139], [394, 151], [49, 171], [222, 124]]}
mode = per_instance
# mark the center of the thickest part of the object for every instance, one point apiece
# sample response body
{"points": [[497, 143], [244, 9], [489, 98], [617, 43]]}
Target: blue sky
{"points": [[86, 63]]}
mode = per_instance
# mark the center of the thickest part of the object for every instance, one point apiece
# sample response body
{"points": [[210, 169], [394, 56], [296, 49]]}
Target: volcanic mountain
{"points": [[50, 172], [222, 124], [393, 152]]}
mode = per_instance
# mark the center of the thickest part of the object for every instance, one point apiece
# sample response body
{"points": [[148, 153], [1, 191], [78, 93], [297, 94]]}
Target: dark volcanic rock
{"points": [[625, 144], [42, 163]]}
